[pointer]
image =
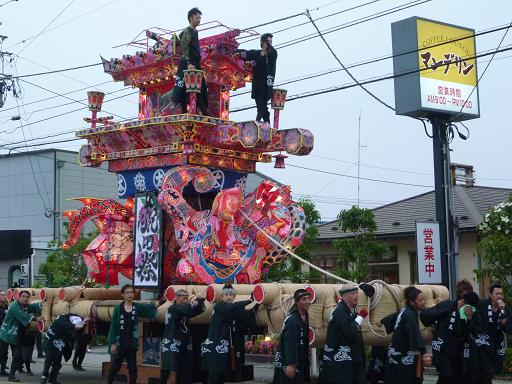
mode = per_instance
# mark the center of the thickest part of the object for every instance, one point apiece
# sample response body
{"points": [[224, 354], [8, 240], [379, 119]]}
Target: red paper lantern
{"points": [[278, 98], [279, 161], [95, 100], [193, 80]]}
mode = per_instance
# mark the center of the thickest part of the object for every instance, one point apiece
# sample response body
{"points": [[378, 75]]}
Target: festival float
{"points": [[186, 220]]}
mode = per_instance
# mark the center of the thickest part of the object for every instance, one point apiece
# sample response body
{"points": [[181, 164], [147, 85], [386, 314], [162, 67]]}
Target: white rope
{"points": [[275, 242], [377, 284]]}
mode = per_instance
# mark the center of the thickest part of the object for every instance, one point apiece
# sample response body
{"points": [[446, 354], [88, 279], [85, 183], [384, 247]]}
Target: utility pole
{"points": [[3, 76], [443, 194]]}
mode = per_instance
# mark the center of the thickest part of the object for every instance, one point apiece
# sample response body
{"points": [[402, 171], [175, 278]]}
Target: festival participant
{"points": [[292, 359], [123, 336], [190, 59], [4, 306], [447, 340], [83, 337], [263, 74], [343, 355], [58, 342], [177, 354], [406, 353], [18, 317], [222, 350], [487, 342]]}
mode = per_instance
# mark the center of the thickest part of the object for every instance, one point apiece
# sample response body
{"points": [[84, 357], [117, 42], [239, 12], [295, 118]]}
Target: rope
{"points": [[278, 244], [379, 285]]}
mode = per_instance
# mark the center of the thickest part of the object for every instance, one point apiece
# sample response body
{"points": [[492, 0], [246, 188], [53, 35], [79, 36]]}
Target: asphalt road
{"points": [[92, 375]]}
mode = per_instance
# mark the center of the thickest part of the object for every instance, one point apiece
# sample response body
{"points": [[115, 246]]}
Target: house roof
{"points": [[470, 204]]}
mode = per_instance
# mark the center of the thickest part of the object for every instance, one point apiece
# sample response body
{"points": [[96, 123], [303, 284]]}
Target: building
{"points": [[396, 227], [38, 186]]}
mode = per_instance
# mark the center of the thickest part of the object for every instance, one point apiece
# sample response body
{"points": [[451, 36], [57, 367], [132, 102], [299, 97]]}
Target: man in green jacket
{"points": [[123, 336], [292, 359], [343, 355], [18, 317]]}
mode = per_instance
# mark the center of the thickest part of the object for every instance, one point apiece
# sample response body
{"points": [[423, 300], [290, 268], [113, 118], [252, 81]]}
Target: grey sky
{"points": [[392, 141]]}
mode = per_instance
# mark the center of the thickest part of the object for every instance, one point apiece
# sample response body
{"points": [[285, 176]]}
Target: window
{"points": [[414, 267], [385, 267]]}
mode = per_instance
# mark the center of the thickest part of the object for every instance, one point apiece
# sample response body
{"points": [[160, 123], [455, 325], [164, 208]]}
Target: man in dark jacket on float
{"points": [[447, 340], [263, 74], [58, 342], [177, 354], [343, 355], [292, 359], [219, 351]]}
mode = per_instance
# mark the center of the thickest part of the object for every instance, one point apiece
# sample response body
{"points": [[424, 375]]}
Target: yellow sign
{"points": [[453, 61]]}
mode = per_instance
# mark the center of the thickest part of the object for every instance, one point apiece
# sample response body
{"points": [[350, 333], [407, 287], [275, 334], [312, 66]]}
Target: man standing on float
{"points": [[263, 74], [190, 59]]}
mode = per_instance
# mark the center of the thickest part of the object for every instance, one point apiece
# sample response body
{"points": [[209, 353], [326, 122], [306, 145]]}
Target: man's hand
{"points": [[468, 311], [199, 296], [191, 66], [290, 371], [40, 318], [501, 305], [427, 360], [113, 348]]}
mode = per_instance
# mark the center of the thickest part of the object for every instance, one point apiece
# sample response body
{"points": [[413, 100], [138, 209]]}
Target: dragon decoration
{"points": [[212, 246]]}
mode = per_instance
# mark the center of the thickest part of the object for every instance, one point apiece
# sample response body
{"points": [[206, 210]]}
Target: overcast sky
{"points": [[396, 148]]}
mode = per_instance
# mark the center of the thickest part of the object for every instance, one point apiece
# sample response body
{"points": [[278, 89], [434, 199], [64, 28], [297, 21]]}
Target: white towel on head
{"points": [[76, 320]]}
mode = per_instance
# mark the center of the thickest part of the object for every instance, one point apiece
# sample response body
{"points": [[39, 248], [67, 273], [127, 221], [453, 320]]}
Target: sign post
{"points": [[436, 78]]}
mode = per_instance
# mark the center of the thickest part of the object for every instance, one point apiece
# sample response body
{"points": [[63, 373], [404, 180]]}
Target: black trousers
{"points": [[216, 378], [449, 367], [124, 352], [481, 368], [81, 340], [53, 360], [356, 375], [262, 108], [29, 341], [179, 92], [4, 350], [17, 356]]}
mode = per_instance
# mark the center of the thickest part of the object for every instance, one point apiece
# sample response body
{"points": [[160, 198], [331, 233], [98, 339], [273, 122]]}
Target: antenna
{"points": [[359, 146]]}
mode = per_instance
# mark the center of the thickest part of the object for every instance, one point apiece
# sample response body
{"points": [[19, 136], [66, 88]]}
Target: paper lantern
{"points": [[95, 100], [279, 161], [193, 80], [278, 98]]}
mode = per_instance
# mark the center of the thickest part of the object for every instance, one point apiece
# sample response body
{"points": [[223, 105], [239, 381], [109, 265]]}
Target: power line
{"points": [[486, 67], [382, 58], [361, 20], [7, 2], [368, 81], [69, 98], [362, 178], [57, 70], [345, 68], [250, 38], [328, 90], [53, 117], [47, 25], [62, 24], [54, 97]]}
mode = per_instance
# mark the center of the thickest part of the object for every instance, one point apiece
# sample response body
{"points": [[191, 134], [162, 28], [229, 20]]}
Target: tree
{"points": [[355, 251], [66, 267], [290, 268], [495, 243]]}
